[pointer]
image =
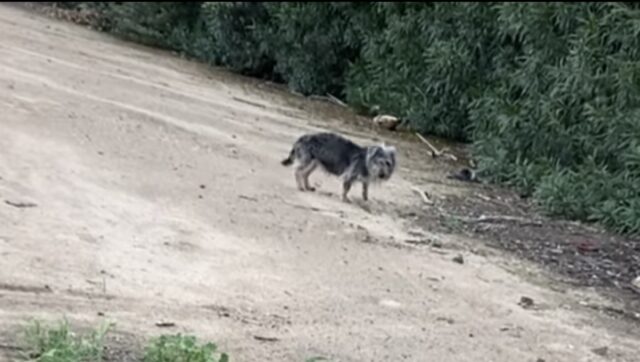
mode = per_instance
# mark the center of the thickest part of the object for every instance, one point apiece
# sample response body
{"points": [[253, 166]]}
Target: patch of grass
{"points": [[180, 348], [453, 224], [58, 343]]}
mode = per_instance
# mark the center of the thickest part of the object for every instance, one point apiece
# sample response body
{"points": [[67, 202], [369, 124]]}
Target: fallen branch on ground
{"points": [[423, 195], [328, 98], [502, 218], [266, 339], [20, 204], [336, 100], [434, 151]]}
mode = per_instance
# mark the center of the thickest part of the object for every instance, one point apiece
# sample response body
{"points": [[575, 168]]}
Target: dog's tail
{"points": [[289, 160]]}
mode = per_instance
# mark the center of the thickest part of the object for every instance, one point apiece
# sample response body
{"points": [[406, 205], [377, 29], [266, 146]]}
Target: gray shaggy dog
{"points": [[341, 157]]}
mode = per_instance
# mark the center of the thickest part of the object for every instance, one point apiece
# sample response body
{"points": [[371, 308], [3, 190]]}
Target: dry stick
{"points": [[336, 100], [266, 339], [422, 194], [502, 218], [20, 204], [328, 98], [434, 151]]}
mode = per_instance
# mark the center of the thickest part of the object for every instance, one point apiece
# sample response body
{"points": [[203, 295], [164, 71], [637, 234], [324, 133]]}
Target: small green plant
{"points": [[45, 343], [179, 348]]}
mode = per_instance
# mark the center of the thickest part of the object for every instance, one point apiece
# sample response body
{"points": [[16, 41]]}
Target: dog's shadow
{"points": [[355, 201]]}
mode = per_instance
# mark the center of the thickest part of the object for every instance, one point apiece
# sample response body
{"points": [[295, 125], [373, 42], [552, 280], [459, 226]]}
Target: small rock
{"points": [[436, 244], [636, 284], [445, 319], [386, 121], [203, 186], [540, 360], [100, 314], [525, 302], [390, 303], [458, 259], [465, 175], [602, 351]]}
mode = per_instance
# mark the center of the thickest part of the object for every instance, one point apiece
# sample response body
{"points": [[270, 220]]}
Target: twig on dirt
{"points": [[249, 102], [336, 100], [266, 339], [20, 204], [165, 324], [423, 195], [495, 219], [504, 218], [434, 151], [328, 98], [612, 310], [249, 198], [312, 208], [11, 347]]}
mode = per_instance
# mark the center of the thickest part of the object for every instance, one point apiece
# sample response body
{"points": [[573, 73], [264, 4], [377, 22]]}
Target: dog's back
{"points": [[334, 152]]}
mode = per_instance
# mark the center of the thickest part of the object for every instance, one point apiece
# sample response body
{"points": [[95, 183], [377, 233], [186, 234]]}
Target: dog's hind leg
{"points": [[302, 173], [306, 172]]}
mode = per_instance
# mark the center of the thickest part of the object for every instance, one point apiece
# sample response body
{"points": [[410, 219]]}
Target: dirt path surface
{"points": [[137, 187]]}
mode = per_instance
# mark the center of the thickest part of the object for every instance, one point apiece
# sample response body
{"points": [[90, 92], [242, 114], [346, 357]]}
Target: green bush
{"points": [[562, 124], [427, 64], [312, 46], [179, 348], [237, 32], [60, 344], [166, 25], [548, 94]]}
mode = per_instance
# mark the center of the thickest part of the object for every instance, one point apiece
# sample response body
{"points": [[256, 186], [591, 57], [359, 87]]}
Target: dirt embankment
{"points": [[138, 187]]}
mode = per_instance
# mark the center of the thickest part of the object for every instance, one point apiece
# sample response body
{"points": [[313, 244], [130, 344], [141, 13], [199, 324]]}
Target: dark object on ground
{"points": [[20, 205], [465, 175]]}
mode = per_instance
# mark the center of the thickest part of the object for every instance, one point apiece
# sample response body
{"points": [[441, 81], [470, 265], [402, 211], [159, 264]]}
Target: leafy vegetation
{"points": [[60, 344], [179, 348], [547, 93]]}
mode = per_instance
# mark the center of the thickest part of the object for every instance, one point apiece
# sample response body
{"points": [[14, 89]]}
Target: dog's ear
{"points": [[371, 151], [389, 149]]}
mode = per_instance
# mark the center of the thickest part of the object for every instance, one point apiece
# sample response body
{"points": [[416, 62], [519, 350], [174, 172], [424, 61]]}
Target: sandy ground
{"points": [[159, 197]]}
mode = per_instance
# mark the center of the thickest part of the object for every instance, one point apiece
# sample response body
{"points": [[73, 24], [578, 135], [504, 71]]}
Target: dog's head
{"points": [[381, 162]]}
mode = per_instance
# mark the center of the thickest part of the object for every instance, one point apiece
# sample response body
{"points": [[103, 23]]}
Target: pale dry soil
{"points": [[157, 195]]}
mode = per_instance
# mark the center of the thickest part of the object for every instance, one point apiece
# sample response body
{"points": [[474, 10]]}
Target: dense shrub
{"points": [[238, 35], [562, 124], [162, 24], [313, 56], [548, 93], [427, 65]]}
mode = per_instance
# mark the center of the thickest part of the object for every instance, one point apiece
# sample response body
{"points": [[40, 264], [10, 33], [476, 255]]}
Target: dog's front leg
{"points": [[365, 191]]}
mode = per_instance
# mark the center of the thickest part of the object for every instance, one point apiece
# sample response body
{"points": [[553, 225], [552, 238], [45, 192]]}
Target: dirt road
{"points": [[157, 195]]}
